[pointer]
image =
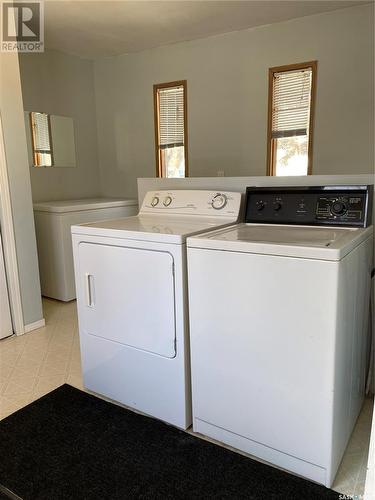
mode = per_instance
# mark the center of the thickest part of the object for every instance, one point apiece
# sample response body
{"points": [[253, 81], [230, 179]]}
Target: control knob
{"points": [[260, 205], [219, 201], [167, 201], [154, 201], [277, 206], [338, 208]]}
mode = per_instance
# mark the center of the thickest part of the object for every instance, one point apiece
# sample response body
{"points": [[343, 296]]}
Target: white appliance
{"points": [[132, 300], [53, 220], [6, 328], [278, 322]]}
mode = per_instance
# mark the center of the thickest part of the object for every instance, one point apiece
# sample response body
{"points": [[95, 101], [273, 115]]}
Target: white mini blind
{"points": [[291, 100], [42, 142], [171, 117]]}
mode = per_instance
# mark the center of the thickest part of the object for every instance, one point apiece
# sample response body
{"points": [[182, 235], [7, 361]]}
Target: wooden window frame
{"points": [[33, 141], [271, 143], [158, 156]]}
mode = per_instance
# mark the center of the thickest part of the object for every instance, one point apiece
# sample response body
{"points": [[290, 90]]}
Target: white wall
{"points": [[60, 84], [19, 183], [227, 98]]}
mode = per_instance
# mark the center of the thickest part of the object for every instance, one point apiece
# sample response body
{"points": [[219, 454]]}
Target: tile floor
{"points": [[36, 363], [33, 364]]}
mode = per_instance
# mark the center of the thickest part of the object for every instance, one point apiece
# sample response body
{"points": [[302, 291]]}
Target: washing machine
{"points": [[278, 323], [132, 300], [53, 220]]}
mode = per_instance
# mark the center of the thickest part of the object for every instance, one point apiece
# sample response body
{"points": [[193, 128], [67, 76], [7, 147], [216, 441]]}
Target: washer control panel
{"points": [[193, 202], [323, 205]]}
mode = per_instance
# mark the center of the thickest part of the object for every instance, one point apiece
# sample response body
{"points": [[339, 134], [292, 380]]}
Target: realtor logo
{"points": [[22, 26]]}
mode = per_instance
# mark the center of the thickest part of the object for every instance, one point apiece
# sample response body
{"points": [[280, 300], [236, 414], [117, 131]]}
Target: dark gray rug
{"points": [[71, 445]]}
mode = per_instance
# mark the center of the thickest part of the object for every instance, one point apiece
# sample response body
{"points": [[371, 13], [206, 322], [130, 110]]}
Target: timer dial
{"points": [[219, 201], [338, 207]]}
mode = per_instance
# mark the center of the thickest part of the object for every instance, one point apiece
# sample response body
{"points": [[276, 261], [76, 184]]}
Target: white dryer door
{"points": [[129, 296]]}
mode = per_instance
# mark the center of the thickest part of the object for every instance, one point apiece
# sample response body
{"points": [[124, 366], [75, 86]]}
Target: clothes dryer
{"points": [[132, 299]]}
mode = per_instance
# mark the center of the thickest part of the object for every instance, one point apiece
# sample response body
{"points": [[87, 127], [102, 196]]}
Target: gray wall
{"points": [[20, 189], [227, 98], [60, 84]]}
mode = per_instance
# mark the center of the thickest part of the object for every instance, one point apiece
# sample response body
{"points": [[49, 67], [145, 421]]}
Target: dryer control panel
{"points": [[194, 202], [349, 206]]}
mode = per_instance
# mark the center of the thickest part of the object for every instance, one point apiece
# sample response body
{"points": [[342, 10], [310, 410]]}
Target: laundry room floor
{"points": [[34, 364], [38, 362]]}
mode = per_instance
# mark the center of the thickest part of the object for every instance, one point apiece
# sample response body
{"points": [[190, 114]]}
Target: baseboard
{"points": [[34, 326]]}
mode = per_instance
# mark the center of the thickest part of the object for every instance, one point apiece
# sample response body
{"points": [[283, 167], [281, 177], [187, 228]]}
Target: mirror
{"points": [[50, 140]]}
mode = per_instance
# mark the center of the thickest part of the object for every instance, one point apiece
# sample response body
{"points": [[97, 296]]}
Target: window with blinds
{"points": [[41, 139], [290, 119], [170, 129]]}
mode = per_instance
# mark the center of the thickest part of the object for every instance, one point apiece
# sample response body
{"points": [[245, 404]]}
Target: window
{"points": [[41, 139], [290, 119], [171, 129]]}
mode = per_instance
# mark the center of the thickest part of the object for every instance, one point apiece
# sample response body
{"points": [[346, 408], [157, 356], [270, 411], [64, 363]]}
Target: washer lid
{"points": [[326, 243], [63, 206], [158, 228]]}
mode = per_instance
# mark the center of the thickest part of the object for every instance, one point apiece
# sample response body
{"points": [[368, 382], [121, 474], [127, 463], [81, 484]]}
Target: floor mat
{"points": [[72, 445]]}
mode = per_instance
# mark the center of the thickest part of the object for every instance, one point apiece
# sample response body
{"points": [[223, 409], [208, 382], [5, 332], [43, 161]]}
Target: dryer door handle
{"points": [[90, 290]]}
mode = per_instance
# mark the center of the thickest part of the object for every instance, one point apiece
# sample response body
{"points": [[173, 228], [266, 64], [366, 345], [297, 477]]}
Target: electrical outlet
{"points": [[220, 173]]}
